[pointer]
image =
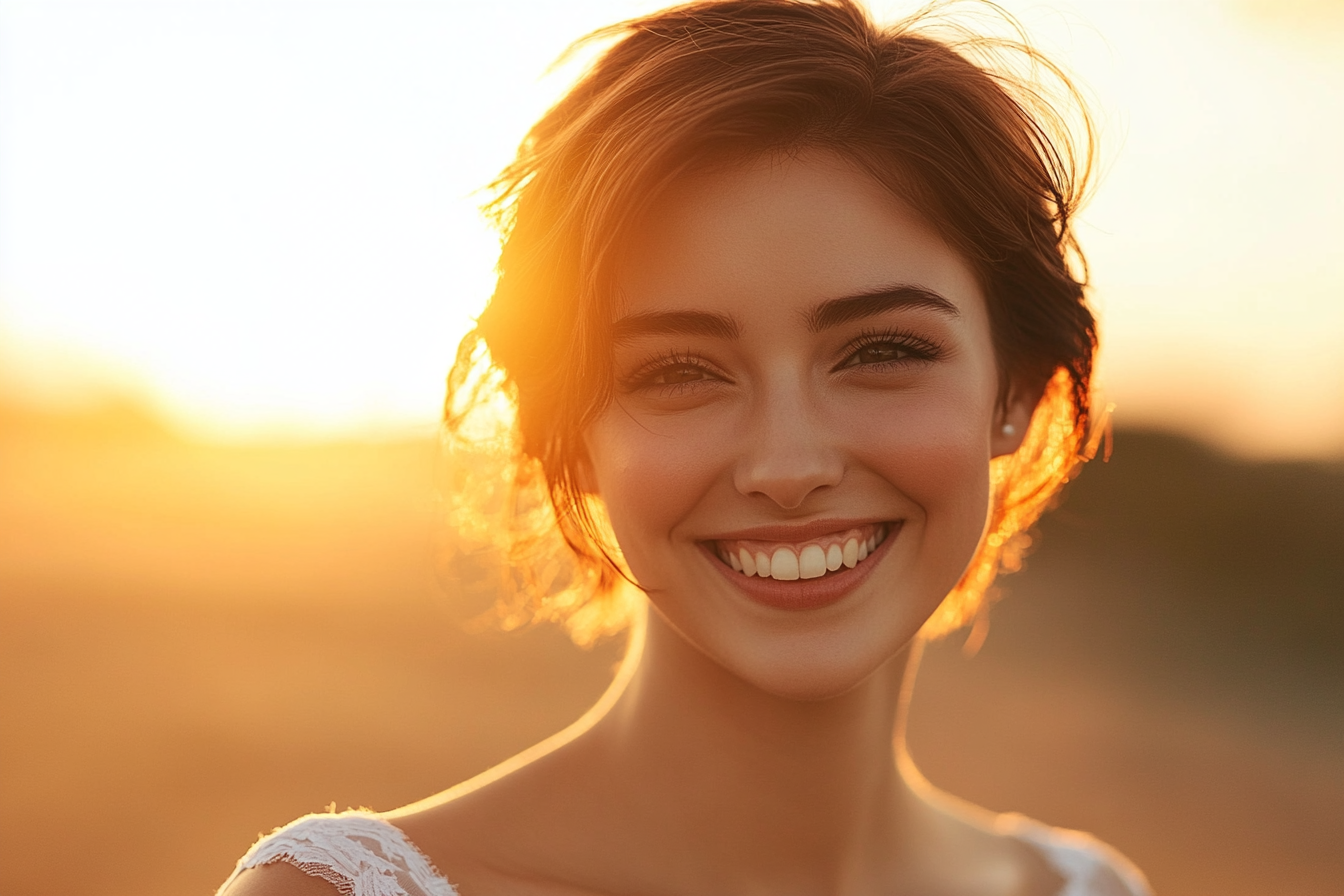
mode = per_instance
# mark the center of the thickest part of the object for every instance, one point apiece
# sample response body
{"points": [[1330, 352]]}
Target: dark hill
{"points": [[1214, 573]]}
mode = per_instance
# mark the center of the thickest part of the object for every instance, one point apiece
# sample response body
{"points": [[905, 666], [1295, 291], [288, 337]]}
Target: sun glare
{"points": [[262, 219]]}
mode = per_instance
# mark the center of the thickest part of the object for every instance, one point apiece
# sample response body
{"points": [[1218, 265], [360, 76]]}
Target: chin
{"points": [[823, 662], [820, 681]]}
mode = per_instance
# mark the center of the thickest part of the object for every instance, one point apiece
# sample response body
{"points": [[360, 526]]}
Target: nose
{"points": [[788, 452]]}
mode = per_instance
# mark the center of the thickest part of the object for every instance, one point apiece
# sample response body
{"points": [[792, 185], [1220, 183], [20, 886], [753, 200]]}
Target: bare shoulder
{"points": [[277, 879], [474, 835], [1090, 866], [963, 851], [518, 829], [1013, 855]]}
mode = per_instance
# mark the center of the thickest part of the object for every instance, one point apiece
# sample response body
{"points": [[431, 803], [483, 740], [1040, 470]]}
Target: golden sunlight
{"points": [[263, 220], [244, 575]]}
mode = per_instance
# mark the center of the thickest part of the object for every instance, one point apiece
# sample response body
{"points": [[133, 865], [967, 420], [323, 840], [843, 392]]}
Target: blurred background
{"points": [[238, 244]]}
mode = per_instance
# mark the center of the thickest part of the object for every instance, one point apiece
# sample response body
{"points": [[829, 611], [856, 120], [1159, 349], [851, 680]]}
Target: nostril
{"points": [[787, 454], [786, 483]]}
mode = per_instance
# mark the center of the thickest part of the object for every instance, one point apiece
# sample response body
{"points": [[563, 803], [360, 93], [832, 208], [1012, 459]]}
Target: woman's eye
{"points": [[880, 353], [676, 376], [670, 375]]}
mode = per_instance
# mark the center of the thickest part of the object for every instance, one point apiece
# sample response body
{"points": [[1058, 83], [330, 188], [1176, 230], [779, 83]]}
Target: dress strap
{"points": [[358, 853]]}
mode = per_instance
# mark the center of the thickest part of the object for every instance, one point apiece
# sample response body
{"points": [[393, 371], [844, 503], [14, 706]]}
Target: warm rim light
{"points": [[291, 245]]}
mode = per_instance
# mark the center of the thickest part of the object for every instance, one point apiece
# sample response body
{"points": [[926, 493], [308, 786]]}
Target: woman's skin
{"points": [[797, 354]]}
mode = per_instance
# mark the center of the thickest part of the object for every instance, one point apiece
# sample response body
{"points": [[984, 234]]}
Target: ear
{"points": [[1012, 417]]}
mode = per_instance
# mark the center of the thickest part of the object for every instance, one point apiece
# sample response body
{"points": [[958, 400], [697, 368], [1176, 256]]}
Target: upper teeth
{"points": [[809, 560]]}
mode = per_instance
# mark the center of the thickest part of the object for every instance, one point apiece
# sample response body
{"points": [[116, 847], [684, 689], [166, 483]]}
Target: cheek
{"points": [[650, 476], [936, 452]]}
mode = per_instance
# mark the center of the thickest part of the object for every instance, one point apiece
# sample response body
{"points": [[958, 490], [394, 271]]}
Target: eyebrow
{"points": [[828, 314], [675, 323], [834, 312]]}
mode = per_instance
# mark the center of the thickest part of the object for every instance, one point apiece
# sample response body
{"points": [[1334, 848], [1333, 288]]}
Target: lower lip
{"points": [[805, 594]]}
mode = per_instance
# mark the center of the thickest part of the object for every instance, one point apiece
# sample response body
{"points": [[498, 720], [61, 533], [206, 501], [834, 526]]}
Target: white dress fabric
{"points": [[360, 854]]}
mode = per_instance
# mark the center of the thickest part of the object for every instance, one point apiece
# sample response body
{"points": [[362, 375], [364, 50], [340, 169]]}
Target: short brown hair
{"points": [[932, 113]]}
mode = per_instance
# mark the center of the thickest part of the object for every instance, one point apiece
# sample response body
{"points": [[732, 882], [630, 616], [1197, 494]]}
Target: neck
{"points": [[790, 795]]}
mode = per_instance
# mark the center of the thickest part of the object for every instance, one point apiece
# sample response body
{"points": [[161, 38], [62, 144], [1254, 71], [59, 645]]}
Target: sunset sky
{"points": [[261, 215]]}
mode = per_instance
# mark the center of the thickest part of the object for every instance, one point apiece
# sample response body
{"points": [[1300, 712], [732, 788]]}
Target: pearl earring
{"points": [[1009, 429]]}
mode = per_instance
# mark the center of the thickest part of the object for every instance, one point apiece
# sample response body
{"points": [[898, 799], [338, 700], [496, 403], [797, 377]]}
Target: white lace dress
{"points": [[360, 854]]}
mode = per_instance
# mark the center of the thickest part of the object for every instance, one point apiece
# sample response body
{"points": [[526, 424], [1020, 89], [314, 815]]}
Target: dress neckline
{"points": [[1067, 852], [358, 849]]}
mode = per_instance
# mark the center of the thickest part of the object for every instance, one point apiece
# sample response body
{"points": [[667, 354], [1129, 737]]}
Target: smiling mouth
{"points": [[811, 559]]}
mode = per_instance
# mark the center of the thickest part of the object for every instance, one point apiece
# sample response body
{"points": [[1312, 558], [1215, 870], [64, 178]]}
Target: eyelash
{"points": [[665, 362], [916, 349]]}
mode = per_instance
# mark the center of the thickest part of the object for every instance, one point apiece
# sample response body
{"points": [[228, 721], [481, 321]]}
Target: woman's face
{"points": [[804, 381]]}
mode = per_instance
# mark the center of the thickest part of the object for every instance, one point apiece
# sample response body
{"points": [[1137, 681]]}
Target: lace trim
{"points": [[358, 853]]}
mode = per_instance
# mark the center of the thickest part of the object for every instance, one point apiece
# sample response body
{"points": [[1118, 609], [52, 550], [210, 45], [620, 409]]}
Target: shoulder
{"points": [[352, 853], [1089, 867], [278, 879]]}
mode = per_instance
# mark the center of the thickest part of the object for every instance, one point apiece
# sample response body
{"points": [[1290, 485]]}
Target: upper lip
{"points": [[796, 532]]}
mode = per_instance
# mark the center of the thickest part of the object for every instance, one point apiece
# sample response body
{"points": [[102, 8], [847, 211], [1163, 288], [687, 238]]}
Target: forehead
{"points": [[785, 230]]}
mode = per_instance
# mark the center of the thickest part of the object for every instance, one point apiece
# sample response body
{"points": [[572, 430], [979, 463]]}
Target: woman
{"points": [[793, 320]]}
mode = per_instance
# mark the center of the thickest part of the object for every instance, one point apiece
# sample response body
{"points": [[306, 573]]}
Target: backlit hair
{"points": [[987, 139]]}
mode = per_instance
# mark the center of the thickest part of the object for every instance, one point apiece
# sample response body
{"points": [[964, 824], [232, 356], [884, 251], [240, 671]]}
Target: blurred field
{"points": [[198, 643]]}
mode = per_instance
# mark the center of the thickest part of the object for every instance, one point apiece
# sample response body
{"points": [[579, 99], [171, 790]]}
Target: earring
{"points": [[1009, 429]]}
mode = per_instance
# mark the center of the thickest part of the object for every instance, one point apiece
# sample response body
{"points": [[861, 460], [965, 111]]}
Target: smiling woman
{"points": [[846, 394], [790, 317]]}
